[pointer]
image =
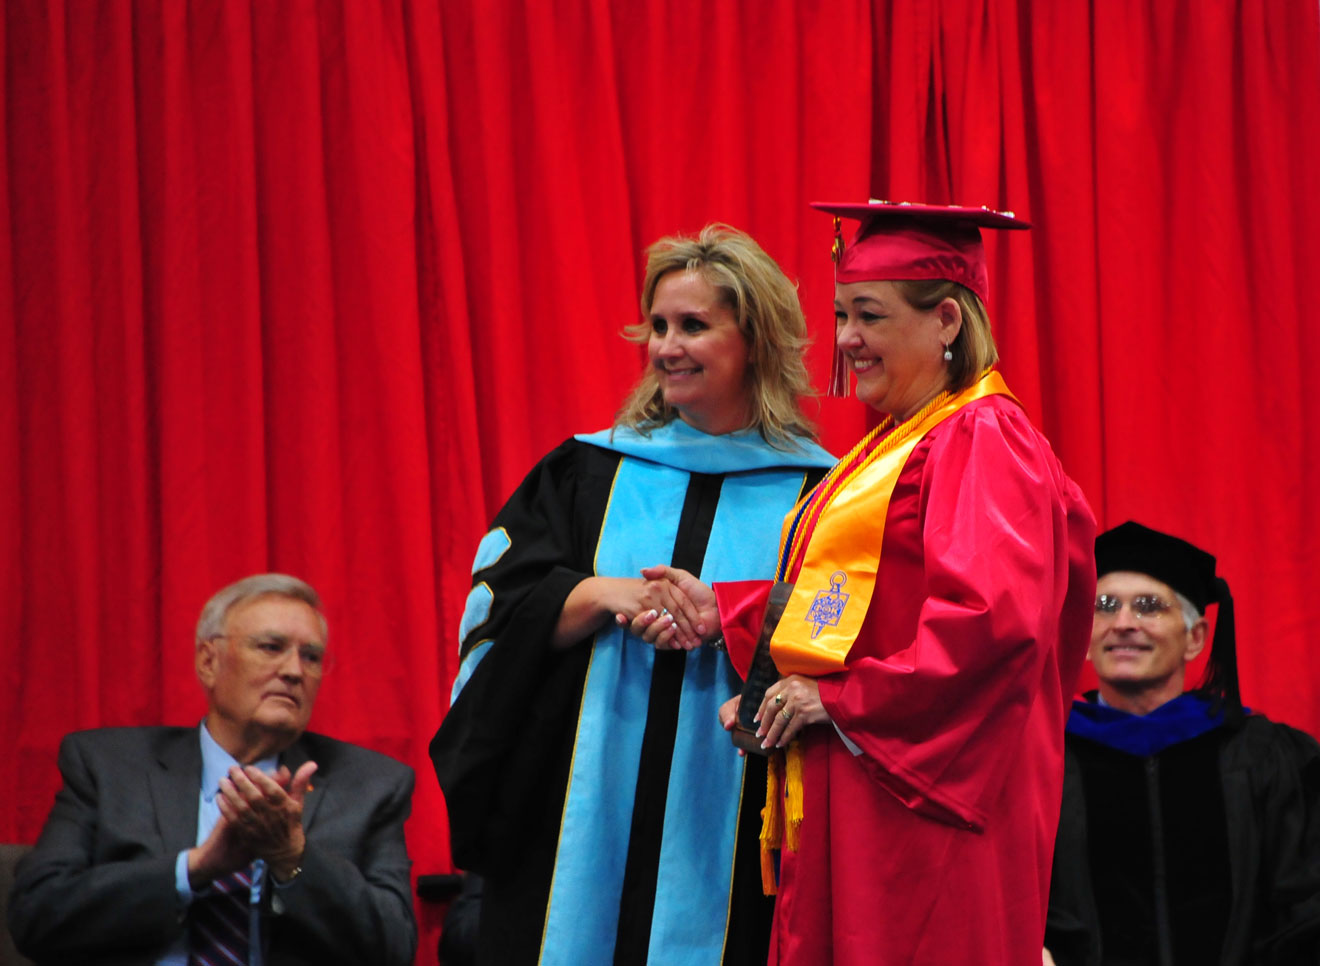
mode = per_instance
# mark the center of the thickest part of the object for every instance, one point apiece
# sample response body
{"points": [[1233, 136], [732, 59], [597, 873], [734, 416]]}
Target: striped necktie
{"points": [[219, 922]]}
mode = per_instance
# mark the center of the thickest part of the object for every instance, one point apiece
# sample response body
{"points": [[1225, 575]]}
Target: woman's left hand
{"points": [[790, 704]]}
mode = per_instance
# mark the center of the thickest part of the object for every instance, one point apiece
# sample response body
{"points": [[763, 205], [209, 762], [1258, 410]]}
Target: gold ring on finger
{"points": [[786, 714], [779, 699]]}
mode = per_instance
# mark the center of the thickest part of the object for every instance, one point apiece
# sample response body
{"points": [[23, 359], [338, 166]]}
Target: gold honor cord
{"points": [[839, 561]]}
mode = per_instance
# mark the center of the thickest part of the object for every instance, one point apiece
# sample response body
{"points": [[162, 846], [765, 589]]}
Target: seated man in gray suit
{"points": [[244, 840]]}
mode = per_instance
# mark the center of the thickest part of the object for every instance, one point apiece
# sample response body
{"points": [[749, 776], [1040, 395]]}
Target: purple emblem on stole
{"points": [[828, 606]]}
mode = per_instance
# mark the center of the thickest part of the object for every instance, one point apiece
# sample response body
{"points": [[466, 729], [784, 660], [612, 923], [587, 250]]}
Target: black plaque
{"points": [[763, 672]]}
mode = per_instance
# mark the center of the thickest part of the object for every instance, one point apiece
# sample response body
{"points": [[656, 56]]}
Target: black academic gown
{"points": [[1204, 852], [593, 787]]}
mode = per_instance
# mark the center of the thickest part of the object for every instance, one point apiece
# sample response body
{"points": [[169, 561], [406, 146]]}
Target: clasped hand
{"points": [[682, 612]]}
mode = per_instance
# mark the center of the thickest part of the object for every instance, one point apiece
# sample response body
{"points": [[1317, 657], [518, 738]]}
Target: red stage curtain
{"points": [[309, 286]]}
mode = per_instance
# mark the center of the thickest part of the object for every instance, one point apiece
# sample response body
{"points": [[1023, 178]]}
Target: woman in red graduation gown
{"points": [[943, 579]]}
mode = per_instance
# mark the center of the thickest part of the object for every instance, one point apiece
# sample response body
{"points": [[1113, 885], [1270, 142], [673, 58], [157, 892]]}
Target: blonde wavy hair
{"points": [[765, 304]]}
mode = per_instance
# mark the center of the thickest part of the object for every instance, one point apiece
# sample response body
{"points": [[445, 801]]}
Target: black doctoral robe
{"points": [[593, 787], [1183, 842]]}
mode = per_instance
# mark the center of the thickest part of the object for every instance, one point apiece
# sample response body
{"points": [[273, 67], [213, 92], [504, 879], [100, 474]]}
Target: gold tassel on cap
{"points": [[836, 250], [838, 387]]}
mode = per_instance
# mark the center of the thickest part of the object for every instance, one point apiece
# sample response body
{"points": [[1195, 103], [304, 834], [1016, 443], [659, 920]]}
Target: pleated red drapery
{"points": [[309, 286]]}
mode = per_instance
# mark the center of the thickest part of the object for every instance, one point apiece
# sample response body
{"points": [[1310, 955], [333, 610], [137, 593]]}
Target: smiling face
{"points": [[895, 350], [259, 683], [1141, 660], [699, 355]]}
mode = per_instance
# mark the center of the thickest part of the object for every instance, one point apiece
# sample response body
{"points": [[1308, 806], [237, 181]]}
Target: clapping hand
{"points": [[265, 813]]}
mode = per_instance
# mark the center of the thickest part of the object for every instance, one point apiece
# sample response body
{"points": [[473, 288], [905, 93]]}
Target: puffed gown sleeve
{"points": [[496, 747], [1005, 564]]}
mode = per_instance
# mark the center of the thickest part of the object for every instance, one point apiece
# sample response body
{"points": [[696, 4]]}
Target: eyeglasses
{"points": [[1144, 606], [272, 649]]}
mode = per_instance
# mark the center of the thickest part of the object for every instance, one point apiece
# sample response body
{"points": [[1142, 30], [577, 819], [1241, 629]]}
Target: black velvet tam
{"points": [[1187, 569]]}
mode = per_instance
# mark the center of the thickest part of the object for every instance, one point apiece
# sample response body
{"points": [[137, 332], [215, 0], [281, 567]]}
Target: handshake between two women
{"points": [[683, 614]]}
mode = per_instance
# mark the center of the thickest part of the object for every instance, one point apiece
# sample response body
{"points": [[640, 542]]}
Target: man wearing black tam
{"points": [[1190, 827]]}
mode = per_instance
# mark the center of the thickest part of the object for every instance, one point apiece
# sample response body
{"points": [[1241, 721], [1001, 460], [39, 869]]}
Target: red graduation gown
{"points": [[934, 844]]}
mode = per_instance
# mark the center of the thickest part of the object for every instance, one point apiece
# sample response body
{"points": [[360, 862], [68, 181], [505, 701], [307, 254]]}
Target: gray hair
{"points": [[1190, 614], [211, 624]]}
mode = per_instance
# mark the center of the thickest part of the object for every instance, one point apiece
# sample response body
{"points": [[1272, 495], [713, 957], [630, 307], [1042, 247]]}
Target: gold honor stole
{"points": [[834, 541]]}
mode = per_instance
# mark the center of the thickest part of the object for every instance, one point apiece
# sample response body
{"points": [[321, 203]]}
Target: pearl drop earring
{"points": [[948, 354]]}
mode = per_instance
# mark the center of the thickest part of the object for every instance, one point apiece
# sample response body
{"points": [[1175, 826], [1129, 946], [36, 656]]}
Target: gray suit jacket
{"points": [[99, 886]]}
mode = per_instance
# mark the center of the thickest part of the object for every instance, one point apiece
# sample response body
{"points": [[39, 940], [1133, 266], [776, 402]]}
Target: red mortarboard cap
{"points": [[901, 240]]}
